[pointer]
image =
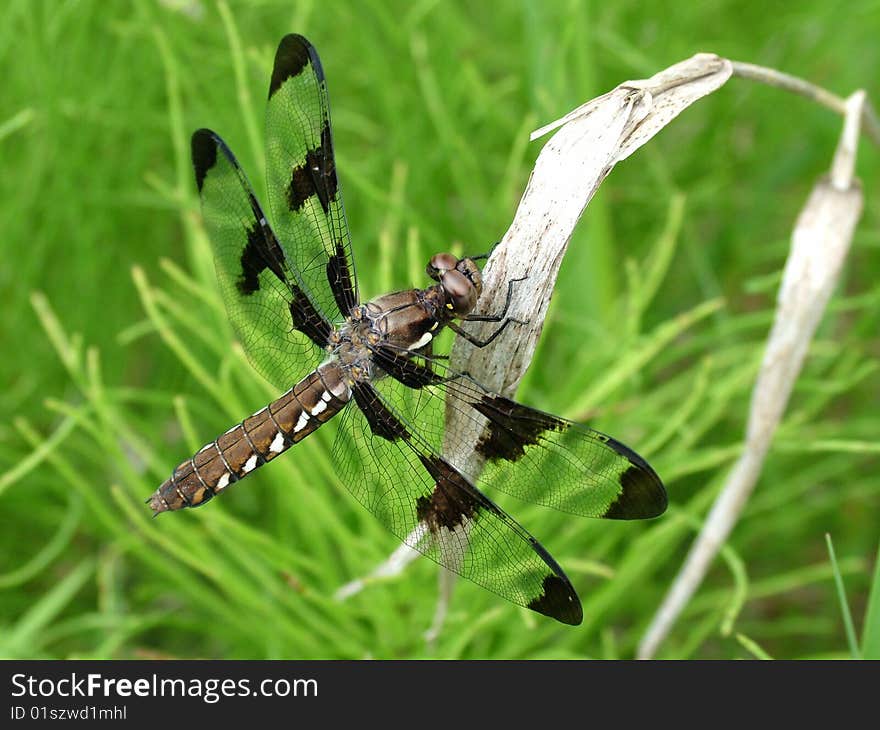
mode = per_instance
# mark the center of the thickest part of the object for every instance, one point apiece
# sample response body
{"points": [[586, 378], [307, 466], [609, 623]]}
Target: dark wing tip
{"points": [[293, 55], [558, 597], [642, 494], [558, 601], [204, 145], [204, 153]]}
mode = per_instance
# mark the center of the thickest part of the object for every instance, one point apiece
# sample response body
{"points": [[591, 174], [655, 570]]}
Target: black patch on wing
{"points": [[404, 369], [341, 281], [261, 252], [316, 176], [642, 494], [459, 497], [302, 183], [293, 55], [204, 153], [382, 421], [327, 184], [452, 499], [511, 427], [307, 319], [558, 601]]}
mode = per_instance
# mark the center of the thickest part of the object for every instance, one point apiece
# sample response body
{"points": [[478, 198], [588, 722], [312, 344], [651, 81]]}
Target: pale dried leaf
{"points": [[820, 242], [567, 173]]}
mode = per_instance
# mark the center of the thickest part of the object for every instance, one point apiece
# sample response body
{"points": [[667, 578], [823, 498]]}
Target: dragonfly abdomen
{"points": [[258, 439]]}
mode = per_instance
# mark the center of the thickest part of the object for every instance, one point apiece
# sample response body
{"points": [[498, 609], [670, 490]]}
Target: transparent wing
{"points": [[304, 193], [281, 330], [433, 508], [529, 454]]}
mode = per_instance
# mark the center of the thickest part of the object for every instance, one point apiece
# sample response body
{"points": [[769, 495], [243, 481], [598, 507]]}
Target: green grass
{"points": [[118, 359]]}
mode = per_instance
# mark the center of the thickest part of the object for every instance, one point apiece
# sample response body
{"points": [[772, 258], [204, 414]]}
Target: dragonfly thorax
{"points": [[350, 344], [406, 321]]}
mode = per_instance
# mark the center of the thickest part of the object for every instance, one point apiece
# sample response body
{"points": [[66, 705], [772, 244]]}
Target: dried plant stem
{"points": [[772, 77], [820, 243]]}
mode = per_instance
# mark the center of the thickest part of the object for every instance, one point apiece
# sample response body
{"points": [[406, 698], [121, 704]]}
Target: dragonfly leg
{"points": [[503, 313], [477, 342]]}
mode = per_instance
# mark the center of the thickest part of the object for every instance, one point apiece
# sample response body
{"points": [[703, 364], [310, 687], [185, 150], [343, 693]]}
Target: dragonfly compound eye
{"points": [[461, 292], [439, 264]]}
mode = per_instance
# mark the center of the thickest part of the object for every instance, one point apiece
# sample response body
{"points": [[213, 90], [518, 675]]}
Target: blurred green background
{"points": [[118, 360]]}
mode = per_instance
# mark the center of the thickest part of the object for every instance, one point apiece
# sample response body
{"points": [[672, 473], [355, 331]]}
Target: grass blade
{"points": [[844, 604], [871, 627]]}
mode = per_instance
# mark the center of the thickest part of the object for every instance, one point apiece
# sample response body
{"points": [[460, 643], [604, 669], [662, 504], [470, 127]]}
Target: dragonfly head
{"points": [[460, 279]]}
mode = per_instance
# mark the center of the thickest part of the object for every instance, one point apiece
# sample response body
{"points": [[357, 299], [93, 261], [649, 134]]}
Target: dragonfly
{"points": [[291, 293]]}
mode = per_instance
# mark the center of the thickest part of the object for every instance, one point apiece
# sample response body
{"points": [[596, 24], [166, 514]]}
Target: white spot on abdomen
{"points": [[250, 464], [301, 423], [319, 407], [223, 483], [277, 445]]}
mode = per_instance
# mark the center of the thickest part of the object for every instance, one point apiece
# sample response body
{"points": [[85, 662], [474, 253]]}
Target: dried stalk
{"points": [[820, 243], [772, 77]]}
